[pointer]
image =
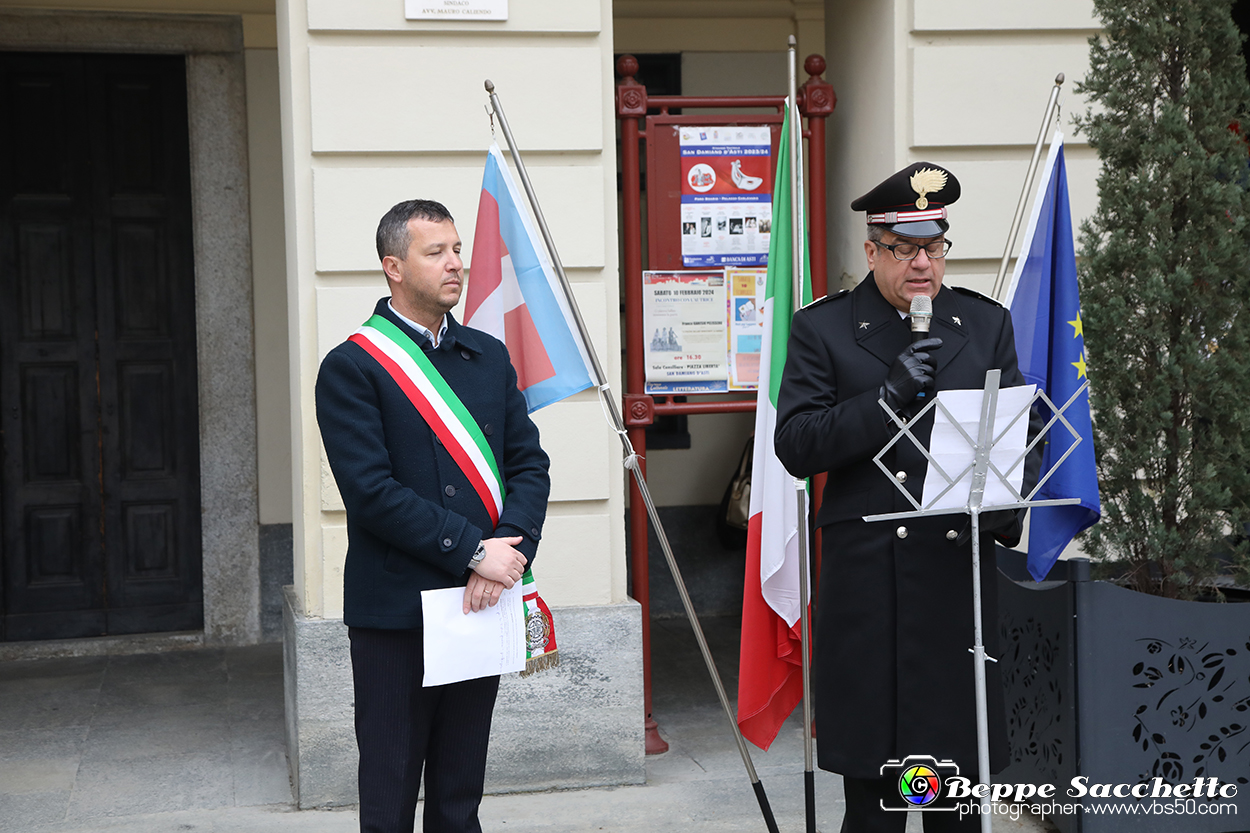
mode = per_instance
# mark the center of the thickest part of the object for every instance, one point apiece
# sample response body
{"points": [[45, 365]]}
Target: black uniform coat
{"points": [[413, 519], [893, 675]]}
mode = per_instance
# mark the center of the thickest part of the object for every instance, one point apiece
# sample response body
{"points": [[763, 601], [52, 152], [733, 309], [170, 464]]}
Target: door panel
{"points": [[99, 498]]}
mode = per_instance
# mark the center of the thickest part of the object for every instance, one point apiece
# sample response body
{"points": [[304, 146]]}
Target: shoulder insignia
{"points": [[972, 293], [823, 298]]}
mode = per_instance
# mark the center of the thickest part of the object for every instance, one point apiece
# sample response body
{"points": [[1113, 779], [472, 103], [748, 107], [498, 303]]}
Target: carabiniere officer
{"points": [[892, 673]]}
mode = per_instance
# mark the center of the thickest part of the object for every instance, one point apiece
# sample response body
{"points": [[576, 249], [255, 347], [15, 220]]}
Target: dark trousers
{"points": [[401, 726], [864, 813]]}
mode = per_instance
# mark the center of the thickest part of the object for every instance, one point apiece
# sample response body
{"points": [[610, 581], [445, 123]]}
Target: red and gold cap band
{"points": [[891, 217]]}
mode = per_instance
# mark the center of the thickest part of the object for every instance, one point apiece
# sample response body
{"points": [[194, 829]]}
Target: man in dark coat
{"points": [[893, 672], [415, 522]]}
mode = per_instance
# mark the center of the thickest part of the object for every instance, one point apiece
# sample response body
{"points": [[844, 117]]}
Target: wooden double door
{"points": [[99, 438]]}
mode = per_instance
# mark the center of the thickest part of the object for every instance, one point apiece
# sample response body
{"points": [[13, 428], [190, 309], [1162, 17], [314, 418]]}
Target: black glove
{"points": [[998, 522], [911, 373]]}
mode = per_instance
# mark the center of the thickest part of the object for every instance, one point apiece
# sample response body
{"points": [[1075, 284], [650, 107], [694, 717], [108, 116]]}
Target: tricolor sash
{"points": [[540, 631], [451, 422]]}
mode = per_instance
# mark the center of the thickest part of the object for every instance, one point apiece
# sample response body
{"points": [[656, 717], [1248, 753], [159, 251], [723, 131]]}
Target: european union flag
{"points": [[1046, 312]]}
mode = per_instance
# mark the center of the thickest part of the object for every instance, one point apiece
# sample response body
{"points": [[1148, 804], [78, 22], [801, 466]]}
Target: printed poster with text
{"points": [[746, 326], [683, 316], [726, 196]]}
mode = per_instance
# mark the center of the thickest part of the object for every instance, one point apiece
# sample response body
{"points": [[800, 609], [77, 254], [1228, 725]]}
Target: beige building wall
{"points": [[377, 109], [273, 379], [718, 26], [961, 84]]}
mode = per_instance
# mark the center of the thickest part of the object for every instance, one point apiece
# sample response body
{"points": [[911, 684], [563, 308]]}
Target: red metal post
{"points": [[735, 406], [631, 107], [817, 100]]}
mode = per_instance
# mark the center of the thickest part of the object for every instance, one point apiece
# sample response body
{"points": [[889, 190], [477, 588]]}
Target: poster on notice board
{"points": [[746, 325], [683, 315], [726, 195]]}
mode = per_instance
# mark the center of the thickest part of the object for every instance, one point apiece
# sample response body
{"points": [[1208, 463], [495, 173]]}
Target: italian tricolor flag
{"points": [[770, 682]]}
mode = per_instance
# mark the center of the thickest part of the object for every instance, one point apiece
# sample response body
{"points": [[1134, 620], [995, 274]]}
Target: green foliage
{"points": [[1165, 288]]}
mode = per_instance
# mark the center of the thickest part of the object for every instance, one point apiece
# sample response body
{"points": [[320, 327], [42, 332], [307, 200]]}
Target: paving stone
{"points": [[189, 742], [163, 783]]}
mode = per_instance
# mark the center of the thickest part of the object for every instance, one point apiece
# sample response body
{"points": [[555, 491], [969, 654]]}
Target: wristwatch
{"points": [[479, 555]]}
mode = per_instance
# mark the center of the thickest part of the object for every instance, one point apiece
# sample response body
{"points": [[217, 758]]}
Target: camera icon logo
{"points": [[919, 780], [919, 785]]}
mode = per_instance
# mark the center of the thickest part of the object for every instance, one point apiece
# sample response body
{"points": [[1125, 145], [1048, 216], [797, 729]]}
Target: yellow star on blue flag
{"points": [[1079, 364]]}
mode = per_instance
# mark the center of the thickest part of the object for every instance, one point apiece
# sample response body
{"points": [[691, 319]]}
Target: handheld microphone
{"points": [[921, 317]]}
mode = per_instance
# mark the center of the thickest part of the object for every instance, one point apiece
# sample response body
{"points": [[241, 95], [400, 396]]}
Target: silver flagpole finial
{"points": [[1052, 106], [490, 86]]}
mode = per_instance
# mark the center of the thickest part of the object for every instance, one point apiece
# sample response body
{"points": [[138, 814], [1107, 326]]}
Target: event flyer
{"points": [[726, 195], [746, 325], [683, 317]]}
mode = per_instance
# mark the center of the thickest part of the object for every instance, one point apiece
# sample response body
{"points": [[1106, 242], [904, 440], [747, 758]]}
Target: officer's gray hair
{"points": [[393, 238], [876, 233]]}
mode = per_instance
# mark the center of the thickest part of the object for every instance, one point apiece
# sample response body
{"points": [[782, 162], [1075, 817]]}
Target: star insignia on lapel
{"points": [[955, 318], [863, 325]]}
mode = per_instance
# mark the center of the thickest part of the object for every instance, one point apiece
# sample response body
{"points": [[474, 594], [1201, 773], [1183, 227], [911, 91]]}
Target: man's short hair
{"points": [[393, 238]]}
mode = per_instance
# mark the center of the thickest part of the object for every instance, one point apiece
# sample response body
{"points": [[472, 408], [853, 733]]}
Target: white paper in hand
{"points": [[953, 452], [465, 646]]}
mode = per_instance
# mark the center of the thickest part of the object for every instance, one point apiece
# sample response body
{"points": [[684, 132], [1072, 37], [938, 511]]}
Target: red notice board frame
{"points": [[816, 102]]}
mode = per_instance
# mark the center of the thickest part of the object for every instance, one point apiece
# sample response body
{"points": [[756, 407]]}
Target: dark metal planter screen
{"points": [[1160, 689]]}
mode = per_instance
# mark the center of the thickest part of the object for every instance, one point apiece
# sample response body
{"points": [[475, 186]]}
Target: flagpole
{"points": [[796, 242], [1051, 105], [631, 462]]}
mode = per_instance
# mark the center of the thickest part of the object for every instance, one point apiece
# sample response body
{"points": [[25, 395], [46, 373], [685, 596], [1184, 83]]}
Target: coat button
{"points": [[534, 531], [451, 491], [901, 532], [464, 354], [438, 439], [951, 535], [488, 429], [901, 476], [447, 543]]}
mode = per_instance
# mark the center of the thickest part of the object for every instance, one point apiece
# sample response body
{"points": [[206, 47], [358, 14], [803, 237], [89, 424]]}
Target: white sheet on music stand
{"points": [[954, 454]]}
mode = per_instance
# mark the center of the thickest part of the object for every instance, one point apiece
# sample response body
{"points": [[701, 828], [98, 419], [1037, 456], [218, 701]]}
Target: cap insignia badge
{"points": [[926, 181]]}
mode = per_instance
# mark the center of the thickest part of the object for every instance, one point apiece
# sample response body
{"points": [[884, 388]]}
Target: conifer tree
{"points": [[1165, 288]]}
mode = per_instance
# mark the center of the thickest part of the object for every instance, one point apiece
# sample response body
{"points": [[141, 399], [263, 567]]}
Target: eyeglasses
{"points": [[908, 251]]}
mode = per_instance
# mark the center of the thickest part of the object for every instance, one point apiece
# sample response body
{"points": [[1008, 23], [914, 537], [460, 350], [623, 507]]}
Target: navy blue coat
{"points": [[892, 674], [413, 519]]}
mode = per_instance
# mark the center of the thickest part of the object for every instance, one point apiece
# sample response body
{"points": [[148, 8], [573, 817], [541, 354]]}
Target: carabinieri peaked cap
{"points": [[912, 202]]}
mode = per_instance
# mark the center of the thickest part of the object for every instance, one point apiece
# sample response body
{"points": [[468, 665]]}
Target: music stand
{"points": [[981, 467]]}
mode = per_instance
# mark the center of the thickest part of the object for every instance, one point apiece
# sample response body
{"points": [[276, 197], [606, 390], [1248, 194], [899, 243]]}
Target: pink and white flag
{"points": [[515, 295]]}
